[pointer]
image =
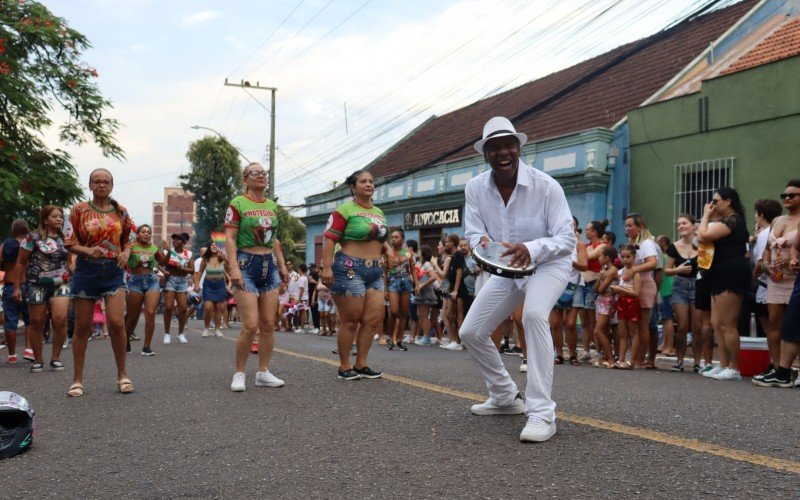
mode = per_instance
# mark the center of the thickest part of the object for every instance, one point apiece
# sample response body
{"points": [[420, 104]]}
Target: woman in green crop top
{"points": [[215, 273], [256, 268], [143, 287], [355, 274]]}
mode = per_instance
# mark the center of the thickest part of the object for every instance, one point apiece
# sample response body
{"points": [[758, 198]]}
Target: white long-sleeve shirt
{"points": [[537, 214]]}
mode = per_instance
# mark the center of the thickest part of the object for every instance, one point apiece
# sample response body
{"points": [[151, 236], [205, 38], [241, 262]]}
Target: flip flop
{"points": [[573, 360], [558, 360], [125, 386], [75, 390]]}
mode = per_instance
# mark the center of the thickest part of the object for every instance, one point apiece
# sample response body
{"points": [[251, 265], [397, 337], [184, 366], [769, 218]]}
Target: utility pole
{"points": [[247, 85]]}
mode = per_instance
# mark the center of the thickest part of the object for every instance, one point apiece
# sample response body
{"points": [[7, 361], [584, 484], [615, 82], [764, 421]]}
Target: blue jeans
{"points": [[96, 278], [143, 283], [13, 309], [259, 272], [352, 277]]}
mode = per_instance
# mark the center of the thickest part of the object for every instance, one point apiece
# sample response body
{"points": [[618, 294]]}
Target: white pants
{"points": [[497, 300]]}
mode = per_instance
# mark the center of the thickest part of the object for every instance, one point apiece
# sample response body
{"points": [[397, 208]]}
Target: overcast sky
{"points": [[353, 76]]}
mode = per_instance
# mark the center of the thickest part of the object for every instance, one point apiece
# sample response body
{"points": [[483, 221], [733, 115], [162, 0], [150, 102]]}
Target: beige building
{"points": [[176, 214]]}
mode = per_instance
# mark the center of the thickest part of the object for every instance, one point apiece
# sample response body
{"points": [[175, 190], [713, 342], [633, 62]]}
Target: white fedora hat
{"points": [[499, 126]]}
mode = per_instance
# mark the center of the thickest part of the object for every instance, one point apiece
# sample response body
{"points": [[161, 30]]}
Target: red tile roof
{"points": [[595, 93], [782, 43]]}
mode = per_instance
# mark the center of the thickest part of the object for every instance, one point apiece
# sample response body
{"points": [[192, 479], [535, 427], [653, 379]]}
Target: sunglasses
{"points": [[257, 173], [790, 196]]}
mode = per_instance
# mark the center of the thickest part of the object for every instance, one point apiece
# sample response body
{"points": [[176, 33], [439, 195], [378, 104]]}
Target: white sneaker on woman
{"points": [[728, 374], [453, 346], [167, 338], [182, 339], [205, 333], [712, 373], [218, 333], [267, 379], [237, 384]]}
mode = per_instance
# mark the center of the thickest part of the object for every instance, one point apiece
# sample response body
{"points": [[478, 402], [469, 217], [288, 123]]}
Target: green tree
{"points": [[290, 231], [41, 71], [215, 178]]}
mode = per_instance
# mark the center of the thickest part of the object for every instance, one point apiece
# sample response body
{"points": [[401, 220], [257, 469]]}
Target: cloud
{"points": [[197, 18]]}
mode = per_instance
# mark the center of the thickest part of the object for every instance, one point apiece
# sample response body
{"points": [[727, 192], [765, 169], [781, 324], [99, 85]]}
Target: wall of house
{"points": [[753, 116]]}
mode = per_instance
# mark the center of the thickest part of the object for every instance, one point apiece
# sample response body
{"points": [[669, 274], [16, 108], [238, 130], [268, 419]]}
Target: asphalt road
{"points": [[183, 433]]}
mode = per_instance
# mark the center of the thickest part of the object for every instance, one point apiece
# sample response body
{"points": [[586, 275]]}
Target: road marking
{"points": [[628, 430]]}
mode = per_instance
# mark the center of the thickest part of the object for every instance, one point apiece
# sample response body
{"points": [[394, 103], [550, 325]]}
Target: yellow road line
{"points": [[628, 430]]}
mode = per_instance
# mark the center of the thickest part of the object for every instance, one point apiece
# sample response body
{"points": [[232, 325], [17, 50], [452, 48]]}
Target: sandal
{"points": [[606, 364], [558, 360], [125, 386], [75, 390], [574, 361], [623, 365], [649, 366]]}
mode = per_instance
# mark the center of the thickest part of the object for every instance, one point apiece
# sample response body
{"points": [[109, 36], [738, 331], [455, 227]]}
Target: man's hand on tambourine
{"points": [[520, 256]]}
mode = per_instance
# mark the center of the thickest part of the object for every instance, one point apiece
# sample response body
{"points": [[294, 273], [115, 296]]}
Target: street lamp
{"points": [[197, 127]]}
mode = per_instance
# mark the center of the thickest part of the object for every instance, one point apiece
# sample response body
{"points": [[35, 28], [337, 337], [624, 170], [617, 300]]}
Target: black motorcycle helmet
{"points": [[17, 425]]}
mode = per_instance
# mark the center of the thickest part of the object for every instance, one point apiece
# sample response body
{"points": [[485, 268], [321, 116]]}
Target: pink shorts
{"points": [[648, 292], [779, 292]]}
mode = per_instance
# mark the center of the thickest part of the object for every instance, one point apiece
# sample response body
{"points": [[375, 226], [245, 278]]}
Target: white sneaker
{"points": [[408, 339], [418, 339], [182, 339], [167, 338], [454, 346], [237, 384], [376, 337], [315, 331], [537, 430], [516, 407], [434, 340], [298, 330], [728, 374], [218, 333], [444, 343], [205, 333], [267, 379], [67, 344], [524, 366], [713, 372]]}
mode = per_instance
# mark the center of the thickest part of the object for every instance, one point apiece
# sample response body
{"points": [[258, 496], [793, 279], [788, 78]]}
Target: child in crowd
{"points": [[606, 304], [630, 283], [99, 320], [324, 300]]}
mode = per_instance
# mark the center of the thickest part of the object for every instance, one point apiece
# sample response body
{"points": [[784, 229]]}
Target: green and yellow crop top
{"points": [[352, 222], [257, 222], [142, 256]]}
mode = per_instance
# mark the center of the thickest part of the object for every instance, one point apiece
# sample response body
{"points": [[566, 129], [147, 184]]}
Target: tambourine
{"points": [[488, 258]]}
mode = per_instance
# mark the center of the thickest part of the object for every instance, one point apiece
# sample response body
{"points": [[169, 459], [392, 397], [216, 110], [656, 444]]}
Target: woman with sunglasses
{"points": [[98, 233], [355, 273], [256, 268], [729, 275], [775, 265], [44, 264], [144, 290]]}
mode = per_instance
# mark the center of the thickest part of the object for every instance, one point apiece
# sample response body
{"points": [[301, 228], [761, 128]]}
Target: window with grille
{"points": [[696, 182]]}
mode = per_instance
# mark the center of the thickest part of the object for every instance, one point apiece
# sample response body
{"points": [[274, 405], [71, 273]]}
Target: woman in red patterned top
{"points": [[99, 234]]}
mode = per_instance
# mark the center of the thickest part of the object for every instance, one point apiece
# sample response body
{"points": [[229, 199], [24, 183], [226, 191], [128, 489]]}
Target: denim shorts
{"points": [[589, 295], [352, 277], [177, 284], [665, 308], [683, 291], [578, 298], [143, 283], [41, 294], [324, 306], [96, 278], [259, 272], [12, 309], [400, 283]]}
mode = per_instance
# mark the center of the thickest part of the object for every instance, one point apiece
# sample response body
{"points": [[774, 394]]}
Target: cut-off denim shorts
{"points": [[177, 284], [352, 277], [12, 309], [96, 278], [400, 283], [39, 294], [259, 272], [143, 283], [683, 290]]}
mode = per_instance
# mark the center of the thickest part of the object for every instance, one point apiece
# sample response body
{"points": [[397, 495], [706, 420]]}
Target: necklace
{"points": [[355, 200], [247, 195]]}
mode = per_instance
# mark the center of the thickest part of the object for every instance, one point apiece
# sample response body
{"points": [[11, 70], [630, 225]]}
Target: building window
{"points": [[696, 182]]}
